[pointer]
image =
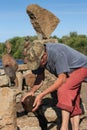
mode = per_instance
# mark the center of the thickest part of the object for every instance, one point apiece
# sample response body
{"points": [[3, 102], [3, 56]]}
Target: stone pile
{"points": [[12, 114], [11, 105]]}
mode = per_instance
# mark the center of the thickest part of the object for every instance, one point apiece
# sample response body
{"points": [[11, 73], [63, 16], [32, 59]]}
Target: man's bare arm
{"points": [[61, 80], [38, 83]]}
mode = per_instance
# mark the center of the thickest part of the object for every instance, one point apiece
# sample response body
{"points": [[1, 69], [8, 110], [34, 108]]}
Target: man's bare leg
{"points": [[75, 122], [65, 120]]}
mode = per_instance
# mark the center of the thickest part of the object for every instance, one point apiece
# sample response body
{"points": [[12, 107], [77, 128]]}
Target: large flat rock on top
{"points": [[43, 21]]}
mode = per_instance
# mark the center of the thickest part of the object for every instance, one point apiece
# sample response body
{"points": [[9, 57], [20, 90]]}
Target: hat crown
{"points": [[34, 55], [36, 51]]}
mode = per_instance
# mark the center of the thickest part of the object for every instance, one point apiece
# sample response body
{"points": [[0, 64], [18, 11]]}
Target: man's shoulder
{"points": [[54, 45]]}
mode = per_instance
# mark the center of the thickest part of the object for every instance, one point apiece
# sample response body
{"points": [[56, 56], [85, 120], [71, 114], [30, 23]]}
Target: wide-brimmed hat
{"points": [[34, 55]]}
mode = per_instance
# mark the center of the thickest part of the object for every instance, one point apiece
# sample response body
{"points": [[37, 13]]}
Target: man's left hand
{"points": [[37, 102]]}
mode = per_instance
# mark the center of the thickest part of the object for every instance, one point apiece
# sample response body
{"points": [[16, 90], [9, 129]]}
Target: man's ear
{"points": [[45, 55], [44, 58]]}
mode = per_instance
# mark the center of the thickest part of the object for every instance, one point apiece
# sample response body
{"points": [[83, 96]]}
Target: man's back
{"points": [[62, 58]]}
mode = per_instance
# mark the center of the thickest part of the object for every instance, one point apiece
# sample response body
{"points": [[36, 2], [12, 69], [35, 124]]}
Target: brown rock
{"points": [[8, 47], [30, 79], [8, 60], [10, 67], [7, 109], [84, 93], [22, 67], [28, 123], [43, 21], [46, 41], [4, 81], [28, 103], [20, 80]]}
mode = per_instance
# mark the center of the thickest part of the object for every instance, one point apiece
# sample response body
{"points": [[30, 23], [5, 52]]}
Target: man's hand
{"points": [[26, 95], [37, 102]]}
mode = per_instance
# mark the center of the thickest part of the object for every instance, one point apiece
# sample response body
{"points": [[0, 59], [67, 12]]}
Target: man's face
{"points": [[43, 60]]}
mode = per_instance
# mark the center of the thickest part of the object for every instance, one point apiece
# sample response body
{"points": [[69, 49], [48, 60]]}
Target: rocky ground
{"points": [[31, 121], [47, 118]]}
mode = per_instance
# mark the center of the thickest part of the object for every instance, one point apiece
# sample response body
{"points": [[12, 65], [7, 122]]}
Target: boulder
{"points": [[7, 109], [43, 21]]}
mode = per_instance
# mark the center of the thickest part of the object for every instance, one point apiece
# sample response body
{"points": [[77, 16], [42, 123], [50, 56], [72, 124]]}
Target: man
{"points": [[70, 66]]}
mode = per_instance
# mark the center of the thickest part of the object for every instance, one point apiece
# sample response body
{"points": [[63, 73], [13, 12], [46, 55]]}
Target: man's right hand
{"points": [[26, 95]]}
